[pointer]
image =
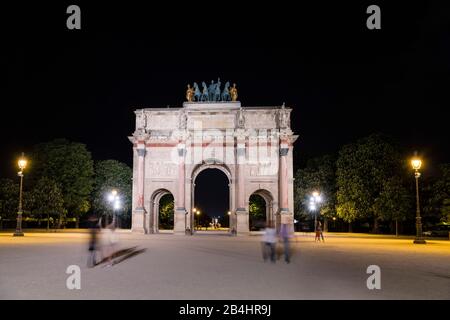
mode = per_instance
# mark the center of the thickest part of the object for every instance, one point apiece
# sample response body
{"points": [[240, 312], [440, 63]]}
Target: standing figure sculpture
{"points": [[142, 122], [284, 117], [211, 90], [197, 93], [226, 92], [241, 119], [205, 95], [182, 120], [233, 92], [217, 92], [218, 85], [189, 93]]}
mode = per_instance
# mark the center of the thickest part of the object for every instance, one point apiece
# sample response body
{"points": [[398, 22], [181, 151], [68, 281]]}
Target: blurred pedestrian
{"points": [[93, 241], [111, 241], [286, 233], [319, 233], [269, 241]]}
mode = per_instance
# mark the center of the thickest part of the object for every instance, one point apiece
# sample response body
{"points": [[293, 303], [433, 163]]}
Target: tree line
{"points": [[63, 184], [369, 184]]}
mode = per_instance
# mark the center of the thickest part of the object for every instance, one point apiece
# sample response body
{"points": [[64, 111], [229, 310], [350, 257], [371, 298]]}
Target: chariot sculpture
{"points": [[211, 92]]}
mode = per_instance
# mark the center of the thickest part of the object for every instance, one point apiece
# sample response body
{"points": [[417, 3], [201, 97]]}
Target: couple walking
{"points": [[270, 240], [103, 241], [319, 232]]}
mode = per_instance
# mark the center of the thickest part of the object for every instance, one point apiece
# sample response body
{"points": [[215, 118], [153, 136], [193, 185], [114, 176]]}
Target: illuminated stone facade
{"points": [[251, 145]]}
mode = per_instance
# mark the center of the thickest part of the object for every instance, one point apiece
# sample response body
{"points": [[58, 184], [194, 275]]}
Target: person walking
{"points": [[269, 241], [286, 233], [93, 241], [111, 241], [319, 233]]}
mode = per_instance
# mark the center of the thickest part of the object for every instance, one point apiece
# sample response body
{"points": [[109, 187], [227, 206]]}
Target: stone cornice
{"points": [[138, 137], [219, 105]]}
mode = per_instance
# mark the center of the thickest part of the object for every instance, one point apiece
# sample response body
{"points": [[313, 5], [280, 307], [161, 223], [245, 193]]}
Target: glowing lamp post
{"points": [[198, 219], [114, 199], [416, 164], [314, 202], [22, 163]]}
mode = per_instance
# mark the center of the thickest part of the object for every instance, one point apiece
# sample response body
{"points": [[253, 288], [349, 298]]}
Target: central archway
{"points": [[212, 196]]}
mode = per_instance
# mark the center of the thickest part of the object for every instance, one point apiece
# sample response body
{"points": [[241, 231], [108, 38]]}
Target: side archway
{"points": [[261, 210], [161, 202]]}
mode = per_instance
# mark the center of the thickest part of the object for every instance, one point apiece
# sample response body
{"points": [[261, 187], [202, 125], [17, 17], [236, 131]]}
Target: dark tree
{"points": [[369, 175], [318, 175], [394, 203], [70, 165], [257, 211], [166, 212], [48, 199], [109, 175], [9, 199], [438, 203]]}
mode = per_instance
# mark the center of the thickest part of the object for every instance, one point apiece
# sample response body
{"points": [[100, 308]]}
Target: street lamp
{"points": [[314, 202], [114, 199], [22, 163], [194, 210], [416, 163], [198, 218]]}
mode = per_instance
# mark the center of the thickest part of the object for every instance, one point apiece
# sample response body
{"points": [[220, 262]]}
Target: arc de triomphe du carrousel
{"points": [[252, 146]]}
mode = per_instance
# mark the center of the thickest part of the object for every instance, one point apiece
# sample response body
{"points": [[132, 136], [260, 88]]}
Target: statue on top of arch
{"points": [[211, 92], [141, 122]]}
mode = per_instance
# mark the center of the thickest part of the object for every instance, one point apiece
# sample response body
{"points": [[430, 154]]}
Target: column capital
{"points": [[139, 137], [181, 151], [284, 152], [141, 152], [285, 133]]}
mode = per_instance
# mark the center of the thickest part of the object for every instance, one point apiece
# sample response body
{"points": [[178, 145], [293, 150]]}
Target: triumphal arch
{"points": [[252, 146]]}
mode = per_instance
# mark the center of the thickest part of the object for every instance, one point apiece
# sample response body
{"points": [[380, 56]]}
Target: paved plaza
{"points": [[216, 266]]}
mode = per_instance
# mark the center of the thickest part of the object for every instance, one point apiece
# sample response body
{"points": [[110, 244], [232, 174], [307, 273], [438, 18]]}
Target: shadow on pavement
{"points": [[122, 255], [129, 255]]}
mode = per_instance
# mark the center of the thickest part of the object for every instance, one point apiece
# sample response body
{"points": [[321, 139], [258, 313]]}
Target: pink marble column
{"points": [[240, 179], [140, 177], [181, 178], [181, 214], [241, 222], [283, 178]]}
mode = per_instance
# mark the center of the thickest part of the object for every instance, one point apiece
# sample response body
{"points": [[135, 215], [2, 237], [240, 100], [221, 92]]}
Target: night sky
{"points": [[343, 80]]}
